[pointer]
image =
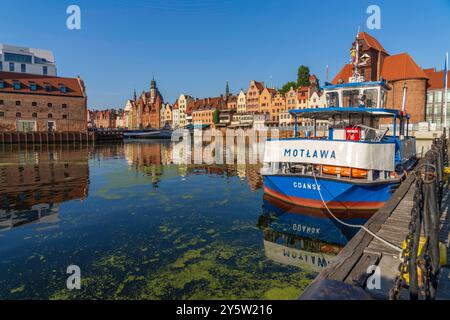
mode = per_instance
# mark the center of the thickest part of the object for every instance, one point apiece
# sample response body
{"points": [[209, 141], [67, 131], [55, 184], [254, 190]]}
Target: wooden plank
{"points": [[342, 265], [389, 270], [358, 276]]}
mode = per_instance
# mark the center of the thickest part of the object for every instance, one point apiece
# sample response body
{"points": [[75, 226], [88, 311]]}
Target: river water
{"points": [[140, 227]]}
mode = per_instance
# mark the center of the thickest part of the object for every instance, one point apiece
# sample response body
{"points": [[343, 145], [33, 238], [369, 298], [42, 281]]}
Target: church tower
{"points": [[153, 91]]}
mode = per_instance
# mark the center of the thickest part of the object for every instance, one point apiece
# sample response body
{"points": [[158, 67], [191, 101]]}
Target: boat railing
{"points": [[372, 134]]}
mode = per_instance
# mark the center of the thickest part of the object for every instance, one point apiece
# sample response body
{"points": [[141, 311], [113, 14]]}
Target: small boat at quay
{"points": [[148, 134], [357, 165]]}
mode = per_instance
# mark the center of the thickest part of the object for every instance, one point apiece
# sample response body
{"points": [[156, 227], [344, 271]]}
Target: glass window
{"points": [[17, 57], [34, 115], [430, 97], [11, 67], [16, 85], [350, 98], [2, 114], [370, 98], [438, 96], [17, 103], [2, 84], [23, 68], [63, 88], [50, 116], [333, 99], [33, 86], [45, 70], [18, 114], [1, 65], [49, 105], [34, 104]]}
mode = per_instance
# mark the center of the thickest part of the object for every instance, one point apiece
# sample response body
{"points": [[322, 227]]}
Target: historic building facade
{"points": [[205, 112], [255, 89], [166, 115], [398, 70], [241, 104], [265, 100], [146, 109], [42, 103], [183, 102]]}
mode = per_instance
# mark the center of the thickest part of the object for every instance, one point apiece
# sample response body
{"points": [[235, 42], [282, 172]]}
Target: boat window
{"points": [[370, 98], [333, 99], [350, 98]]}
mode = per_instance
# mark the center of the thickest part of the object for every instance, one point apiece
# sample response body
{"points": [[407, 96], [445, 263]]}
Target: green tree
{"points": [[288, 86], [303, 76]]}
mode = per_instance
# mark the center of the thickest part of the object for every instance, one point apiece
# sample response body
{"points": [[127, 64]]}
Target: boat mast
{"points": [[357, 61]]}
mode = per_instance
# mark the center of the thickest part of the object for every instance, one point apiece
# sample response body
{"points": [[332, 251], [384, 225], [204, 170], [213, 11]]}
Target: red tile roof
{"points": [[397, 67], [371, 41], [436, 78], [345, 73], [401, 66], [74, 86], [259, 85], [205, 104]]}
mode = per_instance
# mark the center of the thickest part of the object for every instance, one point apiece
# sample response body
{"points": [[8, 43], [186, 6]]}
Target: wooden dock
{"points": [[57, 137], [348, 275], [60, 137]]}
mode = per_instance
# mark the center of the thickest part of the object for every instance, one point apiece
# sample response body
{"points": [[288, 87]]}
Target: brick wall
{"points": [[415, 98], [70, 117]]}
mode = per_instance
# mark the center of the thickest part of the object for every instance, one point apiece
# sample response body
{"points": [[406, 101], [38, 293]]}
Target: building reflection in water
{"points": [[154, 158], [302, 237], [36, 179]]}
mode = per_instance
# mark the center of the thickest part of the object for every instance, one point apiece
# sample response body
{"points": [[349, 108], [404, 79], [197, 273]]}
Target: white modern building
{"points": [[27, 60]]}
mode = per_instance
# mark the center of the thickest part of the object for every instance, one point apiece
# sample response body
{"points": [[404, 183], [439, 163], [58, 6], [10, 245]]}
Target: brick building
{"points": [[146, 109], [107, 119], [397, 70], [31, 102], [204, 111]]}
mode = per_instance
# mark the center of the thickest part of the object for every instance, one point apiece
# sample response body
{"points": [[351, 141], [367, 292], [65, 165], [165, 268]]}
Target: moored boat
{"points": [[148, 134], [356, 166]]}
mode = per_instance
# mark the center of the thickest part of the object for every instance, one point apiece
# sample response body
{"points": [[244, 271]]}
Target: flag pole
{"points": [[446, 90]]}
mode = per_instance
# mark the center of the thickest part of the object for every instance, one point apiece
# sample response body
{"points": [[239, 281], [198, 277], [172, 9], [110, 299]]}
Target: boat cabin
{"points": [[364, 139], [357, 94]]}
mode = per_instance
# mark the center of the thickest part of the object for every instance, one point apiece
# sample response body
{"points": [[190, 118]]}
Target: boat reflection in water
{"points": [[304, 237], [34, 182]]}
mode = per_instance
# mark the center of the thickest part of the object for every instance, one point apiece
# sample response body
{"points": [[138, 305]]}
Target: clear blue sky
{"points": [[194, 46]]}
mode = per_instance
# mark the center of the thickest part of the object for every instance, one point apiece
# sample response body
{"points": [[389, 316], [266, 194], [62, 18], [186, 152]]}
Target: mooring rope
{"points": [[393, 246]]}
